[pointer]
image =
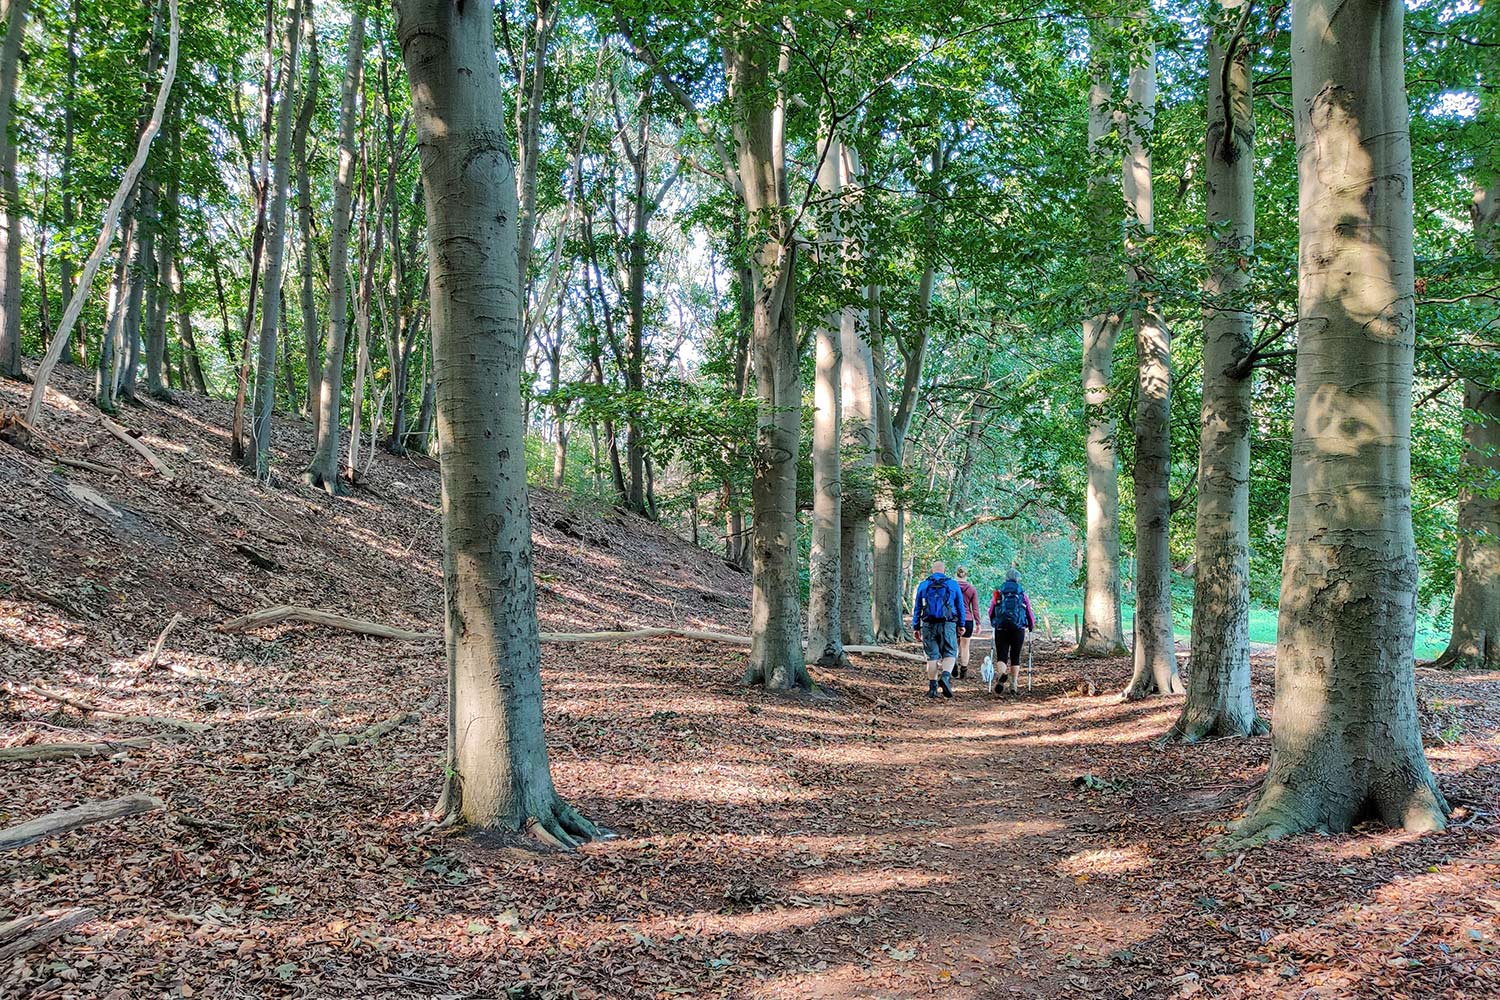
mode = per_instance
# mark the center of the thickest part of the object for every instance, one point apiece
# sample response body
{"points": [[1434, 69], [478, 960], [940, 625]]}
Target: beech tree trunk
{"points": [[1103, 630], [10, 196], [323, 470], [889, 579], [498, 756], [1155, 644], [257, 454], [825, 571], [857, 389], [312, 341], [1219, 701], [158, 362], [66, 267], [1474, 641], [776, 657], [1345, 744], [140, 270]]}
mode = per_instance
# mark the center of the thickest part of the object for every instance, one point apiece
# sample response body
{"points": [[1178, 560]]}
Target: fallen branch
{"points": [[62, 751], [295, 613], [64, 820], [104, 715], [367, 735], [312, 616], [37, 929], [86, 466], [140, 446]]}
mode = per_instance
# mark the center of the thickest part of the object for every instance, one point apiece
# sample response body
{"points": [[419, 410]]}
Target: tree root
{"points": [[563, 828], [1210, 726]]}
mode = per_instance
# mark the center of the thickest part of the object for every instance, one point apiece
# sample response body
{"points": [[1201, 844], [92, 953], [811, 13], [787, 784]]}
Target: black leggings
{"points": [[1008, 642]]}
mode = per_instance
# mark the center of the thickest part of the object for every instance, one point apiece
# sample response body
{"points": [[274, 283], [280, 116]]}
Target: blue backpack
{"points": [[1010, 610], [938, 598]]}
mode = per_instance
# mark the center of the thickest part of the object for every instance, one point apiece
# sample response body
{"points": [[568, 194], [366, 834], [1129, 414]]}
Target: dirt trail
{"points": [[859, 842]]}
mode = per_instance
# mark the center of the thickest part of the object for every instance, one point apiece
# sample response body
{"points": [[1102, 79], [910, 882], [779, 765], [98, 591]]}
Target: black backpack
{"points": [[1010, 610], [938, 598]]}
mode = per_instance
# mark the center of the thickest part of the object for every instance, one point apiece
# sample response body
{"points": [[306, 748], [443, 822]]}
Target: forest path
{"points": [[857, 843]]}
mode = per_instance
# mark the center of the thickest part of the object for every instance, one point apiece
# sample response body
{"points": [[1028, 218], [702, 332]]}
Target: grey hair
{"points": [[1012, 574]]}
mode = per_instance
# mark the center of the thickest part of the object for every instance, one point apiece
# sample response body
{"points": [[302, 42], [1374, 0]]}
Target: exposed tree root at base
{"points": [[1204, 727]]}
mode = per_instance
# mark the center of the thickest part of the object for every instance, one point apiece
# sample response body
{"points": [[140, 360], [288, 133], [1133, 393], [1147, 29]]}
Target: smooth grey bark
{"points": [[323, 469], [257, 454], [139, 272], [500, 774], [825, 568], [261, 181], [1103, 630], [1219, 701], [107, 365], [157, 361], [10, 196], [1345, 741], [857, 391], [888, 588], [312, 341], [1155, 643], [776, 656], [66, 268], [1474, 640]]}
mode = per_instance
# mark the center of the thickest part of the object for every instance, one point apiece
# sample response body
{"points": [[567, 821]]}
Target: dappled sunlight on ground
{"points": [[859, 842]]}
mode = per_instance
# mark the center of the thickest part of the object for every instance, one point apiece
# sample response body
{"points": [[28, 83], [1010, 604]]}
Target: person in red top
{"points": [[971, 605]]}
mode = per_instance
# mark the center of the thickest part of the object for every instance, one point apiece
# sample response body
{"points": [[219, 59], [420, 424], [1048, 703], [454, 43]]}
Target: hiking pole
{"points": [[1028, 666]]}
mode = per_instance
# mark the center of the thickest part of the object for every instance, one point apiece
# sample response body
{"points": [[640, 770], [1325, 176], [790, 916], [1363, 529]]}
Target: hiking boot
{"points": [[945, 682], [932, 689], [963, 671]]}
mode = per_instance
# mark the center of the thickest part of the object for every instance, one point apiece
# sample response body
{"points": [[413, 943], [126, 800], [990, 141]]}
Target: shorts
{"points": [[940, 640]]}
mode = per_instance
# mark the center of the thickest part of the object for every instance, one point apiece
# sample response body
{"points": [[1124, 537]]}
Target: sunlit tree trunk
{"points": [[776, 657], [825, 569], [501, 777], [1103, 631], [323, 470], [258, 453], [14, 15], [1155, 645], [1345, 741], [1219, 701], [857, 375]]}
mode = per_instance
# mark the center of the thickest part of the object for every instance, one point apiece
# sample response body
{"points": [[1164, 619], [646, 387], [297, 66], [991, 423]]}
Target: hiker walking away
{"points": [[937, 617], [1011, 618], [971, 621]]}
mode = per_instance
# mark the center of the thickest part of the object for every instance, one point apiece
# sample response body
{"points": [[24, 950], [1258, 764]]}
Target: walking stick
{"points": [[1028, 666]]}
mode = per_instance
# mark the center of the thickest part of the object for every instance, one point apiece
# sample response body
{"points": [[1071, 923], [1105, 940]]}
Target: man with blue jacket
{"points": [[937, 616]]}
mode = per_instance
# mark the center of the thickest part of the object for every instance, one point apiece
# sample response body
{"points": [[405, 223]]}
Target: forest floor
{"points": [[860, 842]]}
